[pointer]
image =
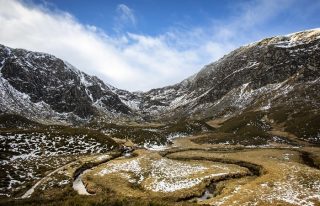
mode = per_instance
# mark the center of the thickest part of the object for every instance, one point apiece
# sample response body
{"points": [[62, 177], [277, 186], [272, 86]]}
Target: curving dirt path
{"points": [[77, 183], [29, 192]]}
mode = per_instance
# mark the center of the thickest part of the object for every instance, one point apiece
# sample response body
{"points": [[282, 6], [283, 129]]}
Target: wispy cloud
{"points": [[125, 17], [249, 18], [130, 61]]}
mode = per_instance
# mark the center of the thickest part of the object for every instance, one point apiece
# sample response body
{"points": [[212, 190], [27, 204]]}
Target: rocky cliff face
{"points": [[41, 86], [269, 75]]}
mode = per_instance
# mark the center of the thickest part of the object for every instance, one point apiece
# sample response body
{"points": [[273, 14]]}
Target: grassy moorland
{"points": [[246, 160]]}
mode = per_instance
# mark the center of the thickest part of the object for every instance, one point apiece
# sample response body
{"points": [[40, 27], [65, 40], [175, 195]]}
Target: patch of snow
{"points": [[133, 104], [63, 182], [170, 176], [129, 166], [103, 157], [176, 135], [248, 66], [286, 156], [151, 130], [165, 175], [155, 147], [266, 107]]}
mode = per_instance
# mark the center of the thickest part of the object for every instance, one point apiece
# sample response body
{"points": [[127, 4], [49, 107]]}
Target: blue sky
{"points": [[143, 44], [154, 17]]}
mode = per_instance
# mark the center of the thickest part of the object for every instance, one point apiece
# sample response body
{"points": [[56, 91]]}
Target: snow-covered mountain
{"points": [[282, 70], [277, 72], [43, 87]]}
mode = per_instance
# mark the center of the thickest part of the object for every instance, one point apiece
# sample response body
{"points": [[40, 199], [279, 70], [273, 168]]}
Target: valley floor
{"points": [[184, 173]]}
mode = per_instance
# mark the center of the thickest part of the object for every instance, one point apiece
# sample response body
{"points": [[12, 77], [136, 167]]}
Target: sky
{"points": [[138, 45]]}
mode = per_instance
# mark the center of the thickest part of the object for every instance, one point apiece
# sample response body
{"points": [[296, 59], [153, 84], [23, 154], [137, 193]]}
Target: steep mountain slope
{"points": [[259, 91], [262, 75], [43, 87]]}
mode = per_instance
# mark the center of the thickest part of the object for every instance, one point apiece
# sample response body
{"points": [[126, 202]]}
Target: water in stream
{"points": [[206, 195], [78, 185]]}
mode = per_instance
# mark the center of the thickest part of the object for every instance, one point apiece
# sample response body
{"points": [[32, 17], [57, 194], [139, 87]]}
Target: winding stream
{"points": [[209, 191], [308, 160], [78, 184], [255, 170]]}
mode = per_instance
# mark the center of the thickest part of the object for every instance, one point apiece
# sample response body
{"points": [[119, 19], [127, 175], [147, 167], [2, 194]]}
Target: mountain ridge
{"points": [[234, 83]]}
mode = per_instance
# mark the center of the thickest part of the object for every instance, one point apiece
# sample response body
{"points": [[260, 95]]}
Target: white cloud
{"points": [[128, 61]]}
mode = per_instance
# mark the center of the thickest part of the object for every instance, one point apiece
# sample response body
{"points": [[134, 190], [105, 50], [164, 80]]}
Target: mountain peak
{"points": [[290, 40]]}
